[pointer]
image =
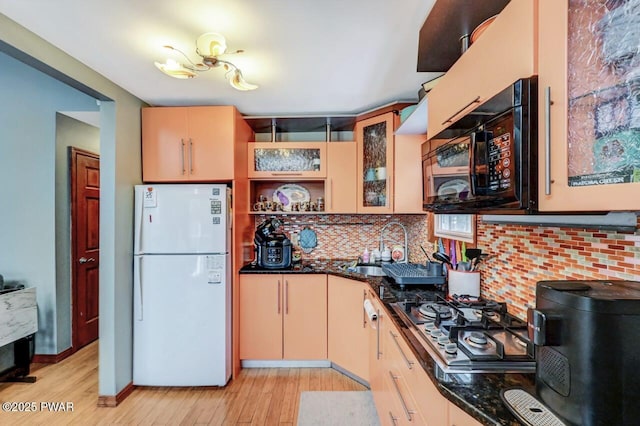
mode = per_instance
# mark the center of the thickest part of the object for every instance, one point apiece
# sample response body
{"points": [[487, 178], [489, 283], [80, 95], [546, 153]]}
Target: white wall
{"points": [[120, 170]]}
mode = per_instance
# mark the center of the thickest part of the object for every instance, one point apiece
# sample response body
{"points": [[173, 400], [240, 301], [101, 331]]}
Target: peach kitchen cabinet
{"points": [[589, 154], [377, 381], [374, 137], [503, 54], [340, 187], [283, 316], [290, 160], [348, 325], [188, 143], [457, 417], [407, 182]]}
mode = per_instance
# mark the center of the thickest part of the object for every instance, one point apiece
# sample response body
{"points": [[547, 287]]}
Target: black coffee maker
{"points": [[273, 249], [588, 363]]}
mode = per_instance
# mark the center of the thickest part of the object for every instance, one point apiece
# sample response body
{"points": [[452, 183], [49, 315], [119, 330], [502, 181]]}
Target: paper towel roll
{"points": [[370, 310]]}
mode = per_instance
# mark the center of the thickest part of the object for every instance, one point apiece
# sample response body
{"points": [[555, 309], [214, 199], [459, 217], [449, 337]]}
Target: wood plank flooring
{"points": [[268, 396]]}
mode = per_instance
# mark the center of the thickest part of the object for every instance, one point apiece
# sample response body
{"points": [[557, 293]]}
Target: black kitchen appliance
{"points": [[587, 335], [273, 249], [489, 160]]}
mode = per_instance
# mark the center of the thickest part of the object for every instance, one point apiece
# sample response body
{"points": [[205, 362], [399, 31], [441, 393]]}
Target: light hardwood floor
{"points": [[267, 396]]}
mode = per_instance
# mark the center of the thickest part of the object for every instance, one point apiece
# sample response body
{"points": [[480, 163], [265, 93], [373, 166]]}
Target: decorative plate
{"points": [[290, 193]]}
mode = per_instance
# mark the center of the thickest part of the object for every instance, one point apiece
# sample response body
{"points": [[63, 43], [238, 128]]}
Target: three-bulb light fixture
{"points": [[209, 47]]}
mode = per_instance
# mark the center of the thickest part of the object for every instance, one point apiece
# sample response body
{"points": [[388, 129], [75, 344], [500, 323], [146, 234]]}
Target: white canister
{"points": [[463, 283]]}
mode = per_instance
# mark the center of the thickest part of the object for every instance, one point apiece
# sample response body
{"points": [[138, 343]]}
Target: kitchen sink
{"points": [[372, 271]]}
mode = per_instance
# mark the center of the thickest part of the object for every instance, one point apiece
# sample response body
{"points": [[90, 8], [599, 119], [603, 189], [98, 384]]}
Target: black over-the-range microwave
{"points": [[487, 160]]}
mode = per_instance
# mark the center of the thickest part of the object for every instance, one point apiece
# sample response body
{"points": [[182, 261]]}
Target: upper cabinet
{"points": [[340, 186], [287, 160], [589, 84], [503, 54], [374, 137], [188, 143]]}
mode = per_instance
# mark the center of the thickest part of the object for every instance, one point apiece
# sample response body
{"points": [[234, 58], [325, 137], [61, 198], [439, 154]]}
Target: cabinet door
{"points": [[280, 160], [341, 177], [504, 54], [457, 417], [374, 137], [589, 141], [305, 317], [407, 185], [261, 316], [348, 325], [376, 360], [164, 144], [210, 143]]}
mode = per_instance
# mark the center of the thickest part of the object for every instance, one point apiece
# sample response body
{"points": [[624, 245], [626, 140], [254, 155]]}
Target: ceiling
{"points": [[309, 57]]}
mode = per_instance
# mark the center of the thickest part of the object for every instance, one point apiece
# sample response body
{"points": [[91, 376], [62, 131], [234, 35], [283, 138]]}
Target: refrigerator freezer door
{"points": [[181, 219], [181, 320]]}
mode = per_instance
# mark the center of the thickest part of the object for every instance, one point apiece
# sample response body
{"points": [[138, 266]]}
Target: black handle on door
{"points": [[544, 327]]}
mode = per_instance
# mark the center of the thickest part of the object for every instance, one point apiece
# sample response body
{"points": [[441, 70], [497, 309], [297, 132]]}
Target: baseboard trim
{"points": [[250, 363], [52, 359], [113, 401], [349, 374]]}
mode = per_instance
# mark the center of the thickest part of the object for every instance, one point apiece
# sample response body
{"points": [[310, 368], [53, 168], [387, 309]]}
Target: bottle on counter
{"points": [[375, 255], [365, 255]]}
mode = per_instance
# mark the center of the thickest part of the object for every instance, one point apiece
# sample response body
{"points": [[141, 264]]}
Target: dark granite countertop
{"points": [[477, 394]]}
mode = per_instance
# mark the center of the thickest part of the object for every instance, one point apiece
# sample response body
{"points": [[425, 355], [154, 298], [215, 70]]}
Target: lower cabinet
{"points": [[283, 316], [348, 325], [457, 417]]}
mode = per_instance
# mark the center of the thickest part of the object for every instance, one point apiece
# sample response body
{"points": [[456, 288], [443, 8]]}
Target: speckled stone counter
{"points": [[477, 394]]}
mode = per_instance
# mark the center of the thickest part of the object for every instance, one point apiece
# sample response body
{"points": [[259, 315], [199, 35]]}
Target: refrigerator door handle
{"points": [[138, 284], [138, 226]]}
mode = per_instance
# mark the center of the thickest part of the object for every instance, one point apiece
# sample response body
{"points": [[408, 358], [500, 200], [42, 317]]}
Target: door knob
{"points": [[85, 260]]}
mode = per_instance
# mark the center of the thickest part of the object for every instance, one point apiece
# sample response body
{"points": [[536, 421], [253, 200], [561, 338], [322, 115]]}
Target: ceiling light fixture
{"points": [[209, 47]]}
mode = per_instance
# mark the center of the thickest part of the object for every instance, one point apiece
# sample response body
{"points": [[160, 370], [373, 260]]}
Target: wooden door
{"points": [[348, 329], [261, 316], [164, 144], [341, 177], [85, 246], [305, 317], [210, 143]]}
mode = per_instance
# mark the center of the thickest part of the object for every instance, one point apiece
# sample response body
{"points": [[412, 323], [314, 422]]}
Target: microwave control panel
{"points": [[500, 164]]}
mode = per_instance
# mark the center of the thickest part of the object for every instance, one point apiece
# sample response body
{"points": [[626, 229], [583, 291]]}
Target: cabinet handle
{"points": [[286, 174], [407, 412], [547, 140], [450, 119], [406, 360], [286, 297], [394, 420], [182, 155], [278, 296], [190, 156], [364, 313], [378, 353]]}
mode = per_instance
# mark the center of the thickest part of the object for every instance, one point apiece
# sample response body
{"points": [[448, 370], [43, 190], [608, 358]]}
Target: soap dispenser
{"points": [[365, 255]]}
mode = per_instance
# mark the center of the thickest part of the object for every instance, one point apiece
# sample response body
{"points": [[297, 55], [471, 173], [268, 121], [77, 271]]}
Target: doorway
{"points": [[85, 246]]}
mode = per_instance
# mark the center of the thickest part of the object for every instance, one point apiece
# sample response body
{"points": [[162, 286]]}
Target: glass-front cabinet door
{"points": [[374, 137], [287, 160], [589, 80]]}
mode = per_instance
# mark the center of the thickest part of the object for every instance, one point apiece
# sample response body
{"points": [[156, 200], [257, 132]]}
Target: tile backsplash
{"points": [[346, 236], [522, 255]]}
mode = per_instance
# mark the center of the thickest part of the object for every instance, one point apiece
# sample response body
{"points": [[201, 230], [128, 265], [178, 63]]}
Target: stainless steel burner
{"points": [[432, 310], [477, 339]]}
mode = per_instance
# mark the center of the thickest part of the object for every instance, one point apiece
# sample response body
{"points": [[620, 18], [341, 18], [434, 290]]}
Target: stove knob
{"points": [[451, 348], [436, 333], [443, 340], [430, 326]]}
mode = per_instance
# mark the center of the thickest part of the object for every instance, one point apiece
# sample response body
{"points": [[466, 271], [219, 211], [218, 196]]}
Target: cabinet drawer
{"points": [[401, 406]]}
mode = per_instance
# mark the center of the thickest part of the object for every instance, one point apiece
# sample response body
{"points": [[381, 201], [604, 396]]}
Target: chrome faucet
{"points": [[406, 242]]}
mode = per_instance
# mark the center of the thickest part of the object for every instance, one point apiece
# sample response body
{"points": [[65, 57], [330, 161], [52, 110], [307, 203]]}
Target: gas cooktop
{"points": [[466, 335]]}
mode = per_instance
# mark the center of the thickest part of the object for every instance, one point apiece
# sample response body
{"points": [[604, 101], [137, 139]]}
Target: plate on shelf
{"points": [[290, 193]]}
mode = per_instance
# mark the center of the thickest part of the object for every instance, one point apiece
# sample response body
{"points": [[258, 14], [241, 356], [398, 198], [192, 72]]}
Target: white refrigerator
{"points": [[182, 285]]}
